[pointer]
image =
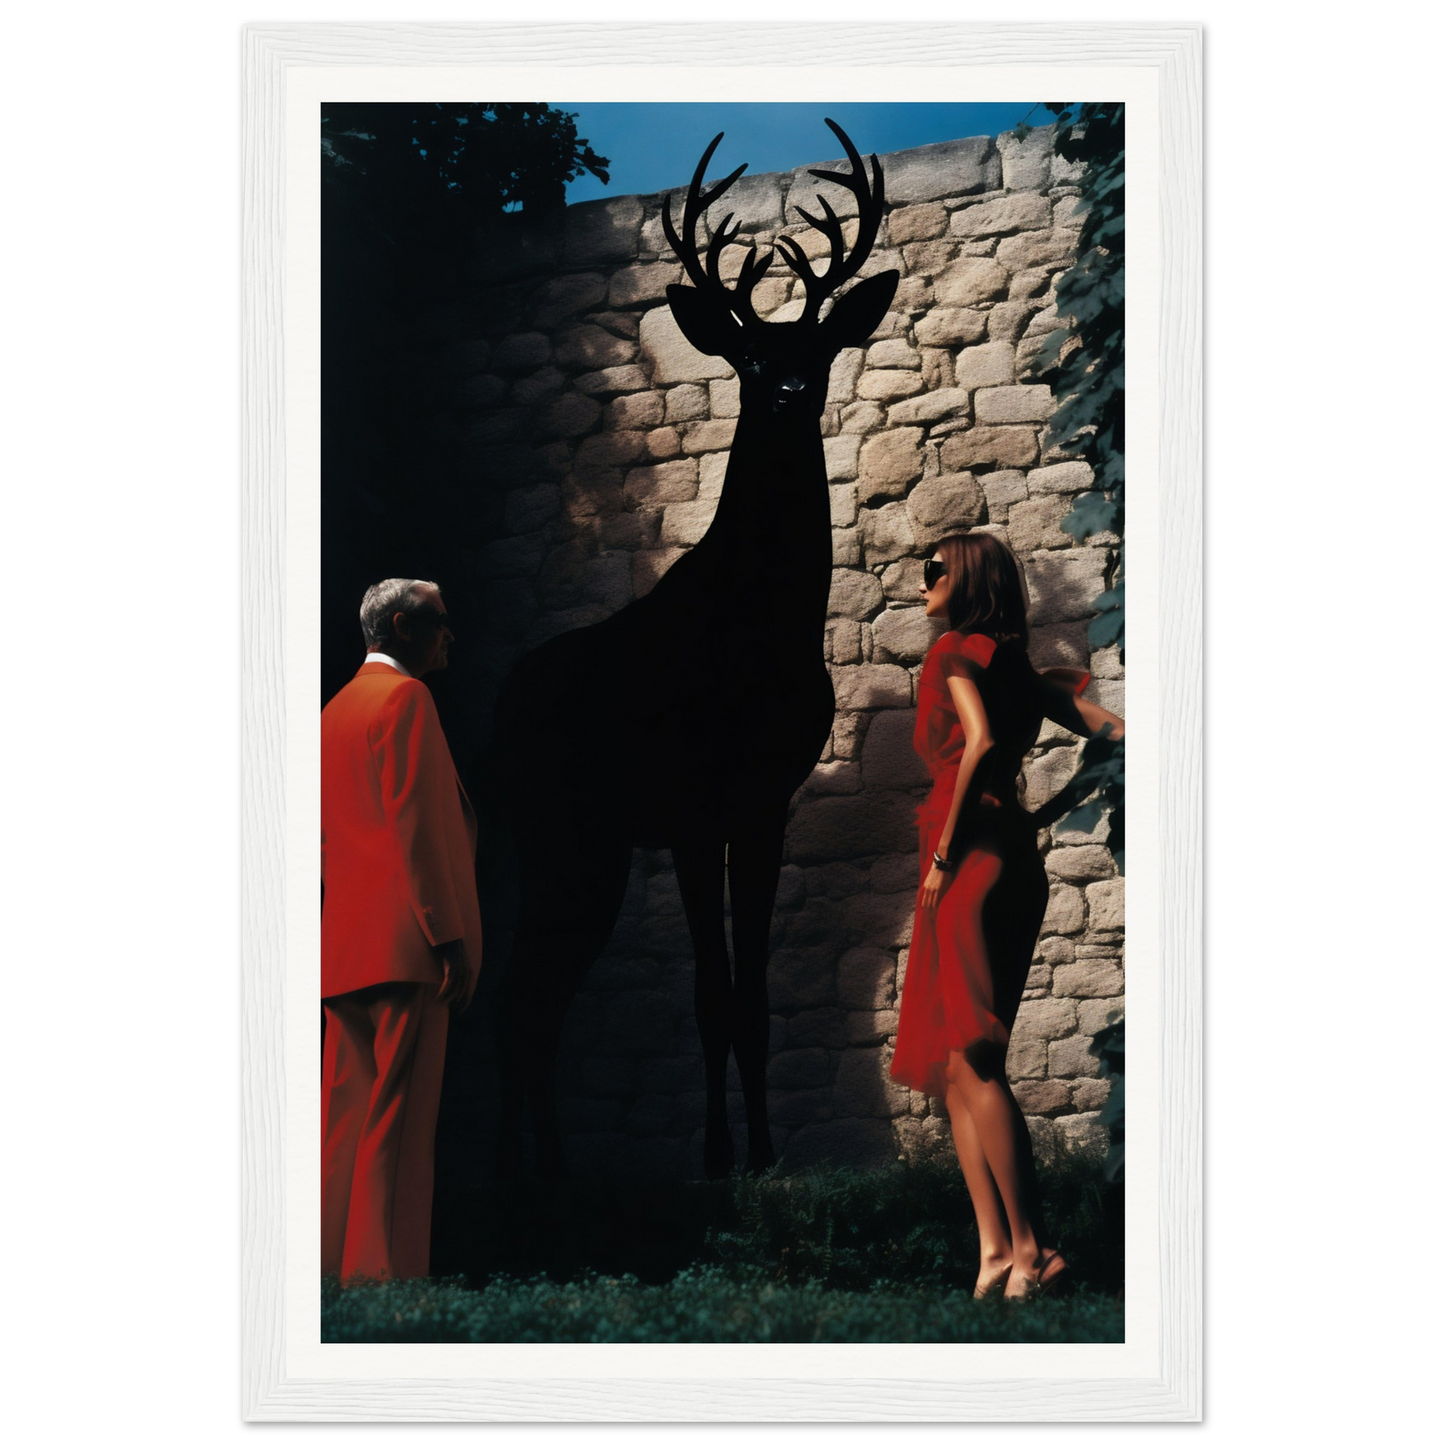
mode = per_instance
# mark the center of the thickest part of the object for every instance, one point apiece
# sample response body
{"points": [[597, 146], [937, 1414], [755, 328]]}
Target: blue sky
{"points": [[653, 146]]}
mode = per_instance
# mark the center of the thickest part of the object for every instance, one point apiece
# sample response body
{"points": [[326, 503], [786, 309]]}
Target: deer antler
{"points": [[708, 277], [841, 267]]}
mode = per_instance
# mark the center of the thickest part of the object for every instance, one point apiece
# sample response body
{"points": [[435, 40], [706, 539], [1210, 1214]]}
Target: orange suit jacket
{"points": [[398, 837]]}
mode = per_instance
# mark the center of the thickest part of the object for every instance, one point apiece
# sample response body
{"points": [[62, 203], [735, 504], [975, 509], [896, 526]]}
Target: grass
{"points": [[827, 1255]]}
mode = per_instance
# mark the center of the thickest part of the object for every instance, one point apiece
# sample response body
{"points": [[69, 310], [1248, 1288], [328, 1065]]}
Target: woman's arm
{"points": [[1061, 705], [978, 743]]}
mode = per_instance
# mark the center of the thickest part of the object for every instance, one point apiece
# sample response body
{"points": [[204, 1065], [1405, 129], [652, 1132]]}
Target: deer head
{"points": [[782, 366]]}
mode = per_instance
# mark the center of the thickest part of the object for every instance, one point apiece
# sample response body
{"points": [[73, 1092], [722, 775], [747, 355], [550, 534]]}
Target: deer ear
{"points": [[709, 326], [856, 314]]}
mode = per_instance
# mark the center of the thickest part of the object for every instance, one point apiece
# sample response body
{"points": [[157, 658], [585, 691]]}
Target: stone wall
{"points": [[592, 440]]}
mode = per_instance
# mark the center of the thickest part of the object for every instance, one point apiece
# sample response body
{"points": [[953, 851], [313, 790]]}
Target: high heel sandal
{"points": [[994, 1286], [1054, 1270]]}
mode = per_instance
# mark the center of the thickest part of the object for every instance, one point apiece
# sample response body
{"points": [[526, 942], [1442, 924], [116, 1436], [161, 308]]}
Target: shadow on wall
{"points": [[537, 436]]}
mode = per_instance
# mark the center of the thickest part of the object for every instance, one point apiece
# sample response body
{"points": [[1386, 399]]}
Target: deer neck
{"points": [[774, 512]]}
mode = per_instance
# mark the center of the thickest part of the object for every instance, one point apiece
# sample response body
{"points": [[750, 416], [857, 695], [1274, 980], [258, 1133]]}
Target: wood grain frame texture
{"points": [[1175, 1393]]}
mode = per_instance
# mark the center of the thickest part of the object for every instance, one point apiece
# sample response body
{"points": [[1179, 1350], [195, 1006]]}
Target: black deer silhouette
{"points": [[689, 718]]}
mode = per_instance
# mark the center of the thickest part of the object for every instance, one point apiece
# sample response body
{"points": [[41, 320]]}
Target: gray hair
{"points": [[384, 600]]}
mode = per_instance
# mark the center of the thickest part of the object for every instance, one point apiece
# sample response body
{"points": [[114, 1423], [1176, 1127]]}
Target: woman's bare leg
{"points": [[995, 1247], [1003, 1136]]}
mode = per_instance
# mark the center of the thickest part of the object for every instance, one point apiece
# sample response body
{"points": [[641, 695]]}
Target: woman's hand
{"points": [[931, 889]]}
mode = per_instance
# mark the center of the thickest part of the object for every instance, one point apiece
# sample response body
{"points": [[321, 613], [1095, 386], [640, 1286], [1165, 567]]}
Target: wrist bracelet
{"points": [[942, 864]]}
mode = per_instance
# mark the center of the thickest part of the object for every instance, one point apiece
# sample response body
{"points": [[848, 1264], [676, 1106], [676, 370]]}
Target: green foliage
{"points": [[856, 1229], [1083, 362], [1100, 779], [432, 168], [704, 1304], [1108, 1048]]}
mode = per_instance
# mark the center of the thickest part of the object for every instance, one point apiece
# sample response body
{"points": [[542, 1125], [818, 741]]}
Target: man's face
{"points": [[430, 634]]}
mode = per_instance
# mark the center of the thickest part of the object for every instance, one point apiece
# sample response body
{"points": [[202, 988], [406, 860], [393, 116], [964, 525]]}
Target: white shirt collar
{"points": [[389, 661]]}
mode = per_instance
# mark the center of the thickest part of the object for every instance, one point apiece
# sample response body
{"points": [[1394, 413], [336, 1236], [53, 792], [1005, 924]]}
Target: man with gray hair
{"points": [[401, 936]]}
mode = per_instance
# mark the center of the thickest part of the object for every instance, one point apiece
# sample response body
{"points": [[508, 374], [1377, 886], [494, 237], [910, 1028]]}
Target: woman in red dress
{"points": [[983, 891]]}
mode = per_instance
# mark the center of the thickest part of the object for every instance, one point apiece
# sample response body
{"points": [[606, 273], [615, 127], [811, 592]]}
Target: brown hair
{"points": [[986, 590]]}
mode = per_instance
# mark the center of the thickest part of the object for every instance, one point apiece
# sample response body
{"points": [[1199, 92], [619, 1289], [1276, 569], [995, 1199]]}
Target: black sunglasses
{"points": [[932, 571]]}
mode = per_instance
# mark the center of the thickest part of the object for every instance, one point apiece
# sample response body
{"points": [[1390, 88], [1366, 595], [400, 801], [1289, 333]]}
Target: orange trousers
{"points": [[381, 1084]]}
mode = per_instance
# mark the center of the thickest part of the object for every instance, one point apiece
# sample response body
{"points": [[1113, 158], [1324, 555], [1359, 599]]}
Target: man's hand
{"points": [[459, 983], [932, 887]]}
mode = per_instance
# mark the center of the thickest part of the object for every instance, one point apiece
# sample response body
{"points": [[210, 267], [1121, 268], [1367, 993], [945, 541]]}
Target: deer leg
{"points": [[753, 865], [566, 920], [699, 868]]}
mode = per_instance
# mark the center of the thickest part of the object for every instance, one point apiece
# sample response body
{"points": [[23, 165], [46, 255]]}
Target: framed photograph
{"points": [[685, 556]]}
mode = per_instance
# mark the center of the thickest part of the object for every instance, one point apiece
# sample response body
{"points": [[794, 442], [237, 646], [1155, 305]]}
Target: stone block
{"points": [[629, 531], [887, 533], [888, 385], [1043, 1096], [888, 758], [942, 404], [608, 451], [663, 483], [671, 356], [525, 351], [612, 381], [1025, 164], [872, 1026], [916, 223], [843, 640], [539, 386], [724, 398], [1038, 250], [897, 874], [1089, 978], [1024, 285], [643, 284], [1027, 1058], [686, 523], [969, 280], [800, 979], [565, 298], [590, 348], [884, 919], [903, 634], [949, 326], [933, 172], [1106, 904], [865, 978], [1105, 663], [1090, 1095], [872, 685], [947, 503], [850, 1143], [847, 547], [843, 505], [1065, 912], [1034, 525], [1079, 865], [834, 777], [528, 508], [1045, 1019], [707, 436], [800, 1069], [1063, 585], [896, 353], [1007, 320], [843, 377], [1083, 1134], [888, 462], [928, 258], [596, 232], [1002, 489], [830, 829], [688, 402], [1069, 1058], [862, 416], [901, 580], [825, 1028], [1065, 644], [1061, 478], [862, 1088], [663, 443], [1096, 1014], [1005, 446], [840, 458], [1001, 216], [991, 364], [854, 594], [1055, 951], [637, 411]]}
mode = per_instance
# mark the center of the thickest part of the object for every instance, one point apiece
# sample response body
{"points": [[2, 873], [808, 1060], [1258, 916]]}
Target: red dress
{"points": [[970, 957]]}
